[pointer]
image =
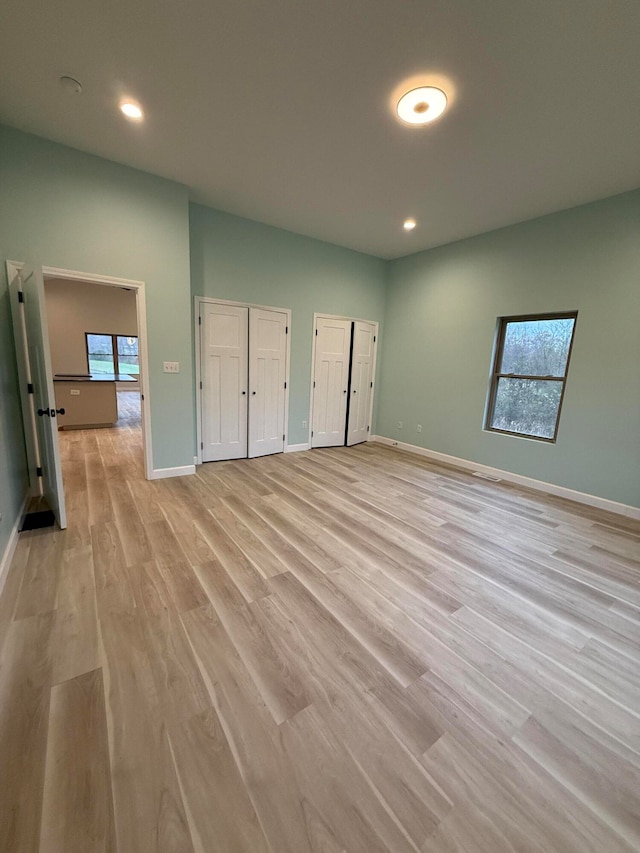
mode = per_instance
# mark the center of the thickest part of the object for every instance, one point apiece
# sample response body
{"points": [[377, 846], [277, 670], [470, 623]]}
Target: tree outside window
{"points": [[112, 354]]}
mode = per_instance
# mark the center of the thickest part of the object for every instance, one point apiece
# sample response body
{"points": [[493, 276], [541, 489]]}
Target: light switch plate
{"points": [[74, 392], [171, 367]]}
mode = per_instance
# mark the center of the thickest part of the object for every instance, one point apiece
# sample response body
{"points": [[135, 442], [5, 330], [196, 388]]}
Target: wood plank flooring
{"points": [[346, 649]]}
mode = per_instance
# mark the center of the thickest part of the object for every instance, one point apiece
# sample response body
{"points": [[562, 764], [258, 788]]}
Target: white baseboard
{"points": [[518, 479], [12, 543], [294, 448], [162, 473]]}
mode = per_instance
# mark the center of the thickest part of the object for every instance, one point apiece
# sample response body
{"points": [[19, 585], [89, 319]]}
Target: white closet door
{"points": [[331, 380], [224, 345], [267, 375], [361, 382]]}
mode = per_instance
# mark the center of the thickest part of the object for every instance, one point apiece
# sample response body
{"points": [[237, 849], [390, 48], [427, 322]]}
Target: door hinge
{"points": [[199, 321], [367, 429], [311, 433], [38, 471], [285, 384], [201, 386], [283, 437], [314, 383], [286, 330], [20, 296], [316, 332], [30, 388], [371, 386], [201, 445], [374, 339]]}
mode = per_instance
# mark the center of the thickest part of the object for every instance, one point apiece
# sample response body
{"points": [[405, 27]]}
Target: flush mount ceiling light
{"points": [[409, 224], [132, 110], [422, 105]]}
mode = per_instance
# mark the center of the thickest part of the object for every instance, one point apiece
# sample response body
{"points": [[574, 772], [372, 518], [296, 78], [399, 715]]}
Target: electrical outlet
{"points": [[419, 427], [171, 367], [304, 424], [399, 424]]}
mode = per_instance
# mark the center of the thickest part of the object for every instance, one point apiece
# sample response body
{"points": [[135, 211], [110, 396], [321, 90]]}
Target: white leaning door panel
{"points": [[331, 379], [267, 377], [361, 382], [223, 354], [35, 325]]}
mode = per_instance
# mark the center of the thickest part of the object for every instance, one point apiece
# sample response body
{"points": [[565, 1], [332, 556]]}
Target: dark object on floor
{"points": [[36, 520]]}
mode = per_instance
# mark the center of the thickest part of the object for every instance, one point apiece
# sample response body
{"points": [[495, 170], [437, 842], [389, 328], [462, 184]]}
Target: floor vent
{"points": [[38, 519], [487, 477]]}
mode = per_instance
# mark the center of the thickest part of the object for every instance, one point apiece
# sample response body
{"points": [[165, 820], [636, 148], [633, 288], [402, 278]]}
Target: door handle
{"points": [[253, 393], [243, 393], [42, 412], [345, 391], [354, 391], [59, 411]]}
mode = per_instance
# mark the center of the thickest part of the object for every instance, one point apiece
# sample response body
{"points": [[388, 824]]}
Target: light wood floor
{"points": [[338, 650]]}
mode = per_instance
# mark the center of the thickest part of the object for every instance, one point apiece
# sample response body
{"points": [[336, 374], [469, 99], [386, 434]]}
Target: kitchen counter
{"points": [[89, 402]]}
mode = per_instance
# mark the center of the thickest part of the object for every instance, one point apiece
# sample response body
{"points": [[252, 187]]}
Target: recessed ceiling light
{"points": [[131, 110], [409, 224], [421, 105]]}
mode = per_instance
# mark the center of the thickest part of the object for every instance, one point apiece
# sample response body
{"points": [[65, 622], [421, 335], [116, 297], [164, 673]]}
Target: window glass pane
{"points": [[100, 349], [537, 347], [128, 355], [527, 406]]}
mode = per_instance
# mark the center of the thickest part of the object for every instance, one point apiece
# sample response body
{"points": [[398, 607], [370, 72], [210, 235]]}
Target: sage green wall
{"points": [[62, 208], [238, 259], [440, 323]]}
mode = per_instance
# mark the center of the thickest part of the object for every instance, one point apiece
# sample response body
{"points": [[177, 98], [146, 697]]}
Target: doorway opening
{"points": [[81, 345]]}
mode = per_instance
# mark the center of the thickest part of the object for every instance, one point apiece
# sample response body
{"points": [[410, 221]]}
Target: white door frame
{"points": [[203, 300], [139, 287], [321, 316]]}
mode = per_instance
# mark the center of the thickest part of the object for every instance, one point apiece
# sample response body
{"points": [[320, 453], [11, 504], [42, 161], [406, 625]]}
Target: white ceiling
{"points": [[280, 110]]}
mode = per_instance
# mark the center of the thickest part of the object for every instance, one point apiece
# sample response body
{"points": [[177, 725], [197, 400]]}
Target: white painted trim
{"points": [[294, 448], [517, 479], [143, 352], [197, 343], [12, 543], [163, 473], [215, 301], [319, 315], [197, 302]]}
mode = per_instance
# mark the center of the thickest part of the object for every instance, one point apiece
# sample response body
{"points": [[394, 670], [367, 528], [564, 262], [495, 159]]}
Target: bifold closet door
{"points": [[224, 342], [361, 388], [267, 375], [331, 381]]}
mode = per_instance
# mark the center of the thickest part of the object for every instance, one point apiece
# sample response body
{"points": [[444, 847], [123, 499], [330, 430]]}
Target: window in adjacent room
{"points": [[112, 354], [529, 374]]}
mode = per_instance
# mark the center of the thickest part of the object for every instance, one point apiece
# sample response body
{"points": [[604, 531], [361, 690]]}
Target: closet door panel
{"points": [[267, 376], [361, 382], [224, 342], [331, 378]]}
